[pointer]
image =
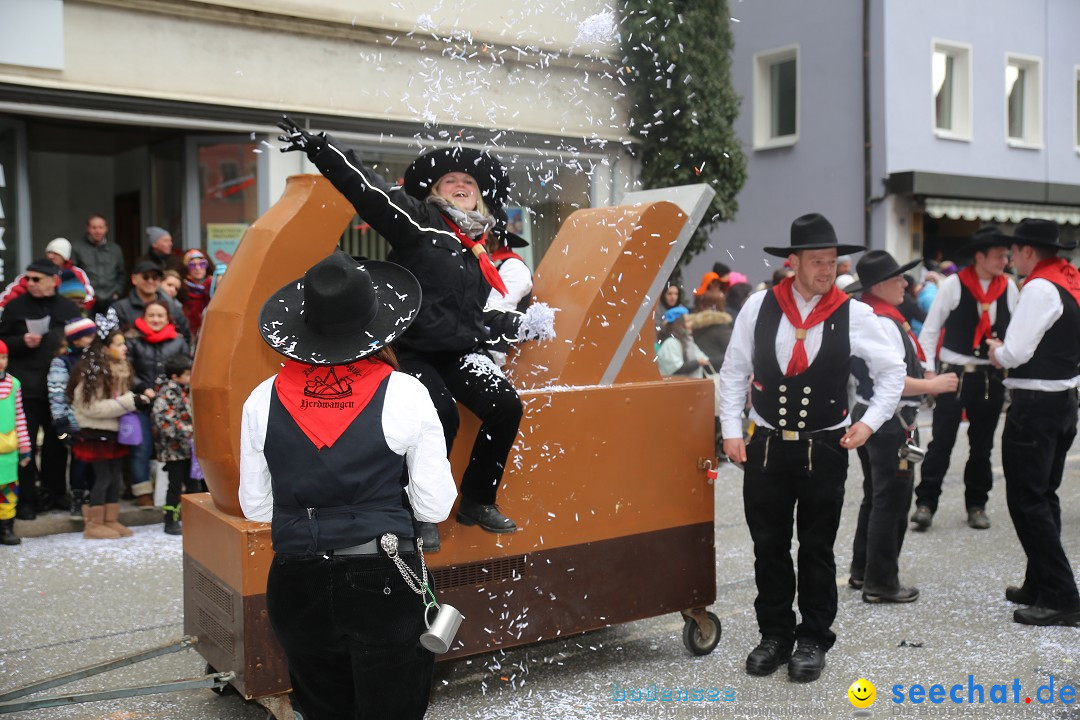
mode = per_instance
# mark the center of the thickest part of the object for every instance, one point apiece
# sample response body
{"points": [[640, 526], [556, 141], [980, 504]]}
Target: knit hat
{"points": [[194, 254], [154, 233], [3, 348], [45, 266], [79, 327], [674, 314], [61, 247]]}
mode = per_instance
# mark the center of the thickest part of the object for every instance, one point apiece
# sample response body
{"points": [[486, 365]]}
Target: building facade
{"points": [[154, 112], [908, 123]]}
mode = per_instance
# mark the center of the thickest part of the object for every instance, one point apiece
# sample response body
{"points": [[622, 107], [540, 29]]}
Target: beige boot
{"points": [[95, 524], [112, 513]]}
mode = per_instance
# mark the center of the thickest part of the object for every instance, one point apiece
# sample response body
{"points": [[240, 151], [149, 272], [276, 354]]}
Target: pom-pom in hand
{"points": [[537, 322]]}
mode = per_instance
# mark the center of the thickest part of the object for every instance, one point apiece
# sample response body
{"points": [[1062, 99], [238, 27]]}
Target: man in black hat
{"points": [[887, 469], [1042, 351], [971, 307], [33, 326], [796, 341]]}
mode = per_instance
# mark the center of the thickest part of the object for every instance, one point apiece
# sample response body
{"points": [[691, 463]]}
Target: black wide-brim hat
{"points": [[342, 310], [813, 232], [877, 266], [501, 229], [485, 169], [1039, 233], [986, 237]]}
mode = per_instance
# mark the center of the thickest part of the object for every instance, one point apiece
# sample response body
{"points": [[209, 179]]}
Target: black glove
{"points": [[296, 138], [65, 432]]}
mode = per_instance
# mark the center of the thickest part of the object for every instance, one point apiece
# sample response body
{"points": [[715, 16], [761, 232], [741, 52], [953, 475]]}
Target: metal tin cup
{"points": [[911, 452], [440, 634]]}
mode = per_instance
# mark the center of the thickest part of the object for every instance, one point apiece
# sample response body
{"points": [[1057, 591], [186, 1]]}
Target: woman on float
{"points": [[436, 225]]}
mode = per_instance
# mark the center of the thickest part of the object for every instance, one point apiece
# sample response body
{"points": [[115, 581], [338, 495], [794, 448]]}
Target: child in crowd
{"points": [[14, 448], [151, 342], [78, 335], [100, 391], [173, 433], [171, 282]]}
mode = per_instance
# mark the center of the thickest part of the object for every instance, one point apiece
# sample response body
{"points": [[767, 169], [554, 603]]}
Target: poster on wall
{"points": [[222, 239], [518, 222]]}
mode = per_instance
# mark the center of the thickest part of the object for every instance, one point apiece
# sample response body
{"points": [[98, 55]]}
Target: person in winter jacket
{"points": [[160, 250], [100, 391], [151, 342], [102, 260], [436, 225], [74, 284], [78, 335], [678, 355], [32, 327], [174, 431], [146, 286], [195, 292], [14, 449]]}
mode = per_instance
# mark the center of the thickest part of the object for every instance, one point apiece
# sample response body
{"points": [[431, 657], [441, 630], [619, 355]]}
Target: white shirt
{"points": [[896, 338], [1039, 308], [411, 427], [518, 280], [946, 300], [868, 341]]}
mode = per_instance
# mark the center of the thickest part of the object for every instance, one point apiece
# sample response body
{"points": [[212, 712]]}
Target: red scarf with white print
{"points": [[828, 303], [1060, 272], [886, 309], [324, 400], [998, 285], [491, 274]]}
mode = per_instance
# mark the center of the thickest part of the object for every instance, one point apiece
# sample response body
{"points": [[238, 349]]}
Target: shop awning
{"points": [[1002, 212]]}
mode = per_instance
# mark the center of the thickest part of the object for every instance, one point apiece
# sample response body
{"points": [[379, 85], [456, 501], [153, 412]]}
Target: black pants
{"points": [[981, 395], [1039, 430], [180, 481], [108, 478], [780, 474], [350, 628], [466, 378], [53, 460], [879, 534]]}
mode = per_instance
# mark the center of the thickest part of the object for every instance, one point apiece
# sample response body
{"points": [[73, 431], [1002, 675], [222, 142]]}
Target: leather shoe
{"points": [[900, 595], [429, 533], [1046, 616], [855, 583], [771, 653], [488, 517], [1020, 595], [922, 517], [978, 519], [806, 662]]}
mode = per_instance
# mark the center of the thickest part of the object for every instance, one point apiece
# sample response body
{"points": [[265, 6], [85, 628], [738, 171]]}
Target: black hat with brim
{"points": [[341, 311], [986, 237], [485, 169], [1037, 232], [813, 232], [877, 266]]}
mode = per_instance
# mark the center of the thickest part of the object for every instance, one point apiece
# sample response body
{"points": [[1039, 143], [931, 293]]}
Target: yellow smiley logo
{"points": [[862, 693]]}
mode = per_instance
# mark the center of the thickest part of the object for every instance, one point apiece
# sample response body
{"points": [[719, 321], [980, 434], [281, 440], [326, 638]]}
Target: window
{"points": [[951, 86], [776, 98], [1023, 101]]}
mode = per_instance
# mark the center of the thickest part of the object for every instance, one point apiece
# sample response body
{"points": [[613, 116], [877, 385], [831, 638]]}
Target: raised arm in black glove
{"points": [[296, 138]]}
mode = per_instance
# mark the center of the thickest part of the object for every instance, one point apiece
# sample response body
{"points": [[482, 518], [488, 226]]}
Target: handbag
{"points": [[196, 469], [129, 431], [9, 442]]}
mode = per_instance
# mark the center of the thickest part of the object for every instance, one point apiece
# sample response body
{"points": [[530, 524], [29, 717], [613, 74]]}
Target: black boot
{"points": [[429, 533], [7, 533], [78, 499], [488, 517], [172, 520]]}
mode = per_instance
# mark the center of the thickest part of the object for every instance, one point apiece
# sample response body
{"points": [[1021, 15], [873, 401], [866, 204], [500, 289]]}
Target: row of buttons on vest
{"points": [[783, 411]]}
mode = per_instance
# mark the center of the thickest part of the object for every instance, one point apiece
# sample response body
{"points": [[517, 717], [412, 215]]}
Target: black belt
{"points": [[969, 368], [371, 547], [1035, 394], [799, 435]]}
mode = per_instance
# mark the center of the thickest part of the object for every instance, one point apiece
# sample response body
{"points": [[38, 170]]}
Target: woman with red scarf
{"points": [[151, 342], [437, 223], [339, 453], [194, 294], [888, 478]]}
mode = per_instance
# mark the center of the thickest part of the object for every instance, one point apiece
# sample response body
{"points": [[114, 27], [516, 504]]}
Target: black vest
{"points": [[1058, 355], [960, 325], [341, 496], [865, 386], [815, 399]]}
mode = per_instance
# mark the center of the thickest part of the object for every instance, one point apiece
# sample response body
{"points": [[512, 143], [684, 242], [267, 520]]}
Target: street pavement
{"points": [[68, 603]]}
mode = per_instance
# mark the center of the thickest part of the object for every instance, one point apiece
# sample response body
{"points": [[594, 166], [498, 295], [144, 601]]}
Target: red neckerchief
{"points": [[998, 285], [829, 302], [886, 309], [324, 400], [486, 267], [155, 336], [505, 253], [1060, 272]]}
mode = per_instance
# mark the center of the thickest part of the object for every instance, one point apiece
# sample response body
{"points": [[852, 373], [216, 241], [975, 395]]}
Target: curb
{"points": [[55, 522]]}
